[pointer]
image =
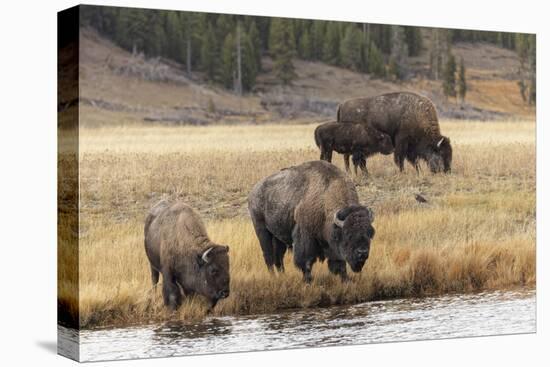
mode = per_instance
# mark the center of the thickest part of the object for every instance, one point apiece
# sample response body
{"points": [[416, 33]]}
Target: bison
{"points": [[359, 140], [313, 208], [411, 122], [177, 245]]}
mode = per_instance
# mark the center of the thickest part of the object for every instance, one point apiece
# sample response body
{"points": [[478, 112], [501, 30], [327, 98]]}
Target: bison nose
{"points": [[363, 254], [223, 294]]}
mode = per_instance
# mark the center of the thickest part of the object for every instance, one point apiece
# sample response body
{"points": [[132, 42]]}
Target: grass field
{"points": [[477, 230]]}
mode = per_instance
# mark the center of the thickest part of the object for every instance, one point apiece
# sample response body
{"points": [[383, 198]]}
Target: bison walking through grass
{"points": [[177, 245], [411, 121], [314, 208], [358, 140]]}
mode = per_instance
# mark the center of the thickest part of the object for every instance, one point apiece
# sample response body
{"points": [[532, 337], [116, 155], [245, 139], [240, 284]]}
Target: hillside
{"points": [[118, 88]]}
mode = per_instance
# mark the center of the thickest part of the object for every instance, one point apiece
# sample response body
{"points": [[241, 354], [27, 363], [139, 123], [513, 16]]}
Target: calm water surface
{"points": [[489, 313]]}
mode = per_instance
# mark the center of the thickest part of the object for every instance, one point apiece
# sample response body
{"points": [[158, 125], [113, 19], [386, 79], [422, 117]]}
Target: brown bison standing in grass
{"points": [[178, 246], [314, 208], [359, 140], [410, 120]]}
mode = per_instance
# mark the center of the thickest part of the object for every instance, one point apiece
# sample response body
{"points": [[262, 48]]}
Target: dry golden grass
{"points": [[477, 230]]}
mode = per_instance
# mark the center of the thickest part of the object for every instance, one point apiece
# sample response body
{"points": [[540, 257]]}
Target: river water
{"points": [[451, 316]]}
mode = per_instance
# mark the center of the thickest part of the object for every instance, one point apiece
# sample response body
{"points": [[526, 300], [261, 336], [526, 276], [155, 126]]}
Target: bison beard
{"points": [[314, 208]]}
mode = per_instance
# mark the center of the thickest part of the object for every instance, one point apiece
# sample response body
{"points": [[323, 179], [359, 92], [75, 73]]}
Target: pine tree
{"points": [[393, 69], [228, 74], [249, 63], [318, 31], [376, 65], [526, 49], [174, 37], [462, 87], [350, 48], [281, 48], [365, 47], [209, 54], [256, 43], [331, 49], [191, 25], [131, 25], [305, 50], [449, 77], [225, 24], [154, 42], [440, 47], [413, 38], [399, 52]]}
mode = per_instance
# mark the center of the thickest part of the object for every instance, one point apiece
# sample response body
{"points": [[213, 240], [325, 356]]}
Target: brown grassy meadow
{"points": [[476, 232]]}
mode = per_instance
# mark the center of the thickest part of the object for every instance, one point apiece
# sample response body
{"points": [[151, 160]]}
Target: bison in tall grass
{"points": [[412, 123], [177, 245], [358, 140], [314, 208]]}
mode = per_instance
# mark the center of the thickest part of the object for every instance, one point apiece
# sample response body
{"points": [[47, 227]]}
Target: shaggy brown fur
{"points": [[411, 121], [359, 140], [177, 245], [314, 208]]}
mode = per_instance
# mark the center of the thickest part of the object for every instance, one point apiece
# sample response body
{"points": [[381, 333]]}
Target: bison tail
{"points": [[338, 114], [317, 140]]}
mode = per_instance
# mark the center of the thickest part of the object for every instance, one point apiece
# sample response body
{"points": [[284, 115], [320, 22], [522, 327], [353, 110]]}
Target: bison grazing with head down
{"points": [[359, 140], [178, 246], [314, 208], [411, 121]]}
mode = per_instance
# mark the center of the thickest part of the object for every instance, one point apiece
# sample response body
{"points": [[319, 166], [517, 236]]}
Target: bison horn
{"points": [[205, 254], [338, 222], [371, 214], [440, 142]]}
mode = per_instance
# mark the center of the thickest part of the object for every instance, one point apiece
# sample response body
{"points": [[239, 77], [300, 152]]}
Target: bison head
{"points": [[213, 274], [352, 234], [442, 155]]}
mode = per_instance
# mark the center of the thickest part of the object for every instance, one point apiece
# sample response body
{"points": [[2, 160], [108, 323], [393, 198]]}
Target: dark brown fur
{"points": [[358, 140], [297, 207], [175, 242], [410, 120]]}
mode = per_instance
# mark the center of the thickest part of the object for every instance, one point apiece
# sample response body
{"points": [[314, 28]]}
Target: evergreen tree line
{"points": [[228, 49]]}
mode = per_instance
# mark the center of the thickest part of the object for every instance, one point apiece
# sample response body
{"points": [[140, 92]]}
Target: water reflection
{"points": [[186, 330], [385, 321]]}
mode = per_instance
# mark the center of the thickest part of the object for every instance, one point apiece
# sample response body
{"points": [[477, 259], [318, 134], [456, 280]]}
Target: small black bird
{"points": [[420, 198]]}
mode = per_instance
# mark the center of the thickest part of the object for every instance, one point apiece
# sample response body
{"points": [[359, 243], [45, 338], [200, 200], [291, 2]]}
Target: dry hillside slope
{"points": [[118, 87]]}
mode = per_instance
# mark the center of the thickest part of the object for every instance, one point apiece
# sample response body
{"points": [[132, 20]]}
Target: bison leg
{"points": [[416, 166], [266, 242], [279, 250], [363, 166], [400, 153], [306, 252], [170, 291], [329, 156], [346, 162], [338, 267], [154, 276]]}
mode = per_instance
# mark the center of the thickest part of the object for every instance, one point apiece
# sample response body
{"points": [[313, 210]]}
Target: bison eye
{"points": [[213, 271]]}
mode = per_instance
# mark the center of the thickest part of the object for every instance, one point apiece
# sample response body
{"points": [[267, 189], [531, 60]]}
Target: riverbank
{"points": [[476, 231]]}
